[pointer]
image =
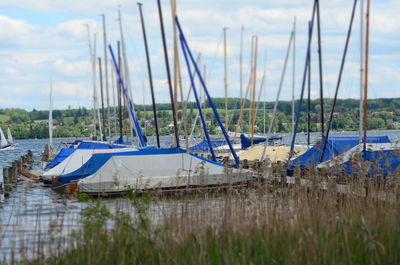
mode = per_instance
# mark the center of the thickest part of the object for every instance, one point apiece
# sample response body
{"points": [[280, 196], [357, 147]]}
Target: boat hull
{"points": [[160, 171]]}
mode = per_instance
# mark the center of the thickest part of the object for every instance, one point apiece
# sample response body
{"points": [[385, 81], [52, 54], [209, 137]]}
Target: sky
{"points": [[47, 40]]}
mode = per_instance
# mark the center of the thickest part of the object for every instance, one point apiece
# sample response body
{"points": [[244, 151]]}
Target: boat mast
{"points": [[174, 115], [149, 73], [114, 91], [120, 95], [293, 71], [226, 79], [366, 77], [302, 86], [125, 70], [241, 63], [361, 126], [321, 87], [106, 77], [271, 124], [253, 116], [328, 128], [51, 115], [93, 79], [177, 74], [102, 98], [309, 93]]}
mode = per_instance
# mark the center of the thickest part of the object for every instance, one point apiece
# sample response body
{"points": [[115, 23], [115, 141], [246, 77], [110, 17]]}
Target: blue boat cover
{"points": [[203, 145], [63, 154], [246, 141], [78, 144], [98, 160], [120, 140], [334, 147], [384, 162]]}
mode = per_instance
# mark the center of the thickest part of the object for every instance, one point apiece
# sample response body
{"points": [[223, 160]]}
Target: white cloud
{"points": [[31, 51]]}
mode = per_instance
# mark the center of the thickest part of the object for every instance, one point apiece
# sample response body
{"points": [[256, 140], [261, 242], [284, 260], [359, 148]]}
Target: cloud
{"points": [[31, 52]]}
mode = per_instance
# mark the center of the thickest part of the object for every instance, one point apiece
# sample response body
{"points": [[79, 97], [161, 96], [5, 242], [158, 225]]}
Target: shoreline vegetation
{"points": [[384, 114], [267, 223]]}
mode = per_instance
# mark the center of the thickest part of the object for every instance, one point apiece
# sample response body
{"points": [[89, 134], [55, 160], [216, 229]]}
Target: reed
{"points": [[267, 223], [261, 225]]}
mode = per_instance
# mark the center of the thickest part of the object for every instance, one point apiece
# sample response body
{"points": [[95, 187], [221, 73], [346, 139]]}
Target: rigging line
{"points": [[271, 124], [213, 59], [302, 86]]}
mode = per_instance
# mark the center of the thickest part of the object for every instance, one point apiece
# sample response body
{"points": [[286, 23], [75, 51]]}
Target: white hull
{"points": [[76, 160], [160, 171], [8, 148]]}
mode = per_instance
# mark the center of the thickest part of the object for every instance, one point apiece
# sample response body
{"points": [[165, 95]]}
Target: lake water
{"points": [[32, 213]]}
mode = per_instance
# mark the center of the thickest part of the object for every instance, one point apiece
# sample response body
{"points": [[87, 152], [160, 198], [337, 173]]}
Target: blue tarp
{"points": [[203, 145], [383, 162], [78, 144], [98, 160], [63, 154], [246, 141], [334, 147]]}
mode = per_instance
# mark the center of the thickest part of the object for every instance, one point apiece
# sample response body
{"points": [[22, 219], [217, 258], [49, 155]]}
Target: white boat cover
{"points": [[156, 171], [77, 159]]}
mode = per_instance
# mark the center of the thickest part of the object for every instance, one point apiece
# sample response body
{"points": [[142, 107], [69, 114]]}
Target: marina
{"points": [[268, 144]]}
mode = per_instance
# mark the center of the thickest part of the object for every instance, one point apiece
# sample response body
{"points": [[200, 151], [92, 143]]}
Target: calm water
{"points": [[32, 213]]}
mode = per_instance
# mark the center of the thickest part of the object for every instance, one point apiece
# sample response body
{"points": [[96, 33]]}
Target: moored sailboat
{"points": [[4, 144]]}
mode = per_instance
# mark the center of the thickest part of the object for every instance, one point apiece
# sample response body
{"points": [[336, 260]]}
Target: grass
{"points": [[4, 118], [266, 224]]}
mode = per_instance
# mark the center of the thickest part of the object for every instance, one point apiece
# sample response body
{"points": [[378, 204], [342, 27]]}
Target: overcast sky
{"points": [[39, 39]]}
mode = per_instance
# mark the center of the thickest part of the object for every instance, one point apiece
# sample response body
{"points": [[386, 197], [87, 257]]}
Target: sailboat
{"points": [[4, 144], [380, 159], [154, 168]]}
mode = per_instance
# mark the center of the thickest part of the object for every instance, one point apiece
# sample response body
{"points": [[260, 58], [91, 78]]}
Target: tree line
{"points": [[383, 114]]}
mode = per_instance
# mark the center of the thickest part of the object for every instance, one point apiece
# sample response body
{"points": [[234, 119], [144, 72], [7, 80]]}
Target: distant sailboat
{"points": [[4, 145], [9, 137]]}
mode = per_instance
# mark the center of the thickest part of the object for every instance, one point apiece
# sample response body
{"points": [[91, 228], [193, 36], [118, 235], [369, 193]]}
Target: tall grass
{"points": [[269, 223]]}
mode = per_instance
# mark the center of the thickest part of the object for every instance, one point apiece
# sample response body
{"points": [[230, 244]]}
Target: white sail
{"points": [[9, 136], [3, 140]]}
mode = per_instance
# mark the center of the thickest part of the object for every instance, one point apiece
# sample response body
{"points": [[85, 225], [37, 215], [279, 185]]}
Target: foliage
{"points": [[383, 114]]}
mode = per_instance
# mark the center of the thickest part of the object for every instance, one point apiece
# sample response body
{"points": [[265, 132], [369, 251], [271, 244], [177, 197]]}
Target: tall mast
{"points": [[241, 63], [174, 115], [226, 80], [251, 79], [302, 87], [253, 116], [106, 75], [125, 69], [271, 124], [95, 88], [120, 95], [93, 77], [309, 93], [102, 98], [361, 126], [366, 77], [114, 91], [177, 74], [173, 6], [293, 71], [150, 74], [321, 88], [328, 128], [51, 115]]}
